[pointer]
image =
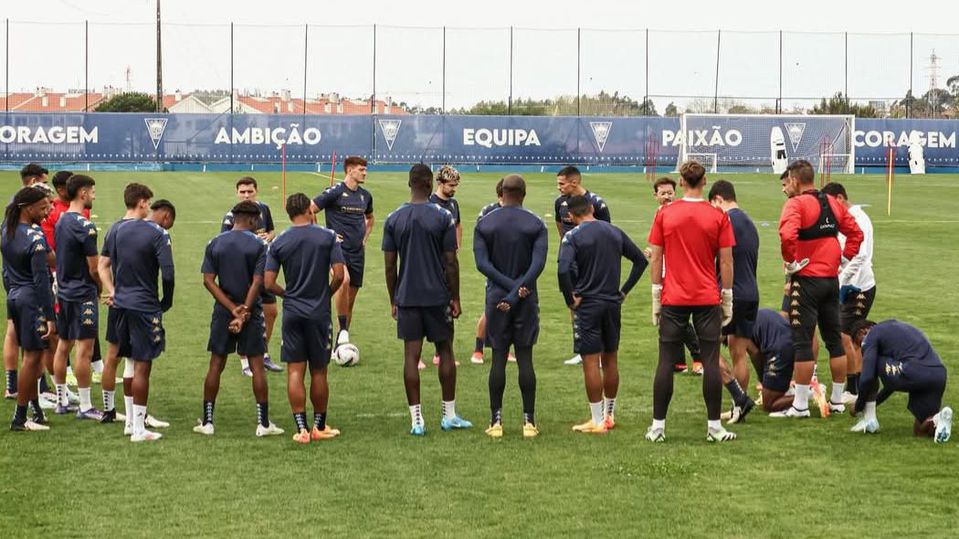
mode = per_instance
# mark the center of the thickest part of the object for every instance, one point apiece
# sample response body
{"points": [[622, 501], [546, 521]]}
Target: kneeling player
{"points": [[307, 253], [594, 248], [904, 360], [510, 248], [233, 274]]}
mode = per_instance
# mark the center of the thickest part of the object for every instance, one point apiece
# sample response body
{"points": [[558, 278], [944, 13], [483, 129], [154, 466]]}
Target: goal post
{"points": [[768, 142]]}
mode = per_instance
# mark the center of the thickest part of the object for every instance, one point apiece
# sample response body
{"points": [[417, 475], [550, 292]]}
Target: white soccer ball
{"points": [[346, 355]]}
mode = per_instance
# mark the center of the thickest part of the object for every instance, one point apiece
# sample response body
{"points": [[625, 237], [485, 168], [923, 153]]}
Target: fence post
{"points": [[579, 77], [373, 97], [232, 105], [911, 96], [779, 102], [159, 63], [846, 67], [443, 107], [719, 37], [86, 66], [646, 100], [306, 52], [509, 99], [6, 69]]}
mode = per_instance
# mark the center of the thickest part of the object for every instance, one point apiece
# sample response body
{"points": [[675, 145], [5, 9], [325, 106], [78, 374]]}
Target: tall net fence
{"points": [[319, 69]]}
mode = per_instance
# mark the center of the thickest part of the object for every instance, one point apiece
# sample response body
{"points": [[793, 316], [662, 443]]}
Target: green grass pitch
{"points": [[780, 479]]}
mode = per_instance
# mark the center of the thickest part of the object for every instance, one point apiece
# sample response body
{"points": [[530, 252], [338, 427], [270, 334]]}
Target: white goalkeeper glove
{"points": [[727, 305], [657, 302], [54, 287], [795, 266]]}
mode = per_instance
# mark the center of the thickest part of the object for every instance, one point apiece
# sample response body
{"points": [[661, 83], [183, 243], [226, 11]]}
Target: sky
{"points": [[270, 42]]}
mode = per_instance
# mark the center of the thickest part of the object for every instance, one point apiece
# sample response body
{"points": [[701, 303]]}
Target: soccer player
{"points": [[26, 279], [589, 275], [348, 210], [857, 288], [233, 274], [722, 195], [424, 291], [78, 287], [308, 254], [690, 237], [664, 191], [246, 189], [904, 360], [771, 349], [510, 245], [477, 357], [808, 227], [447, 180], [569, 183], [138, 251], [136, 198]]}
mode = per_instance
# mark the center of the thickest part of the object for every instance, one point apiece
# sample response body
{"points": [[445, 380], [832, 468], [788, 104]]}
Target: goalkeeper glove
{"points": [[793, 267], [847, 290], [727, 305], [657, 303]]}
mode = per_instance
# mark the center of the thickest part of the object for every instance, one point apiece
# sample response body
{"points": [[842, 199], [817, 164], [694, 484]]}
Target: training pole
{"points": [[333, 169], [890, 177], [283, 172]]}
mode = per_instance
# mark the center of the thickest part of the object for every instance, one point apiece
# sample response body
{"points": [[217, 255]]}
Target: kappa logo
{"points": [[156, 127], [390, 129], [601, 133], [795, 131]]}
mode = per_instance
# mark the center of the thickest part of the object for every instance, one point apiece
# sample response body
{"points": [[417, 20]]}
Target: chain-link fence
{"points": [[316, 69]]}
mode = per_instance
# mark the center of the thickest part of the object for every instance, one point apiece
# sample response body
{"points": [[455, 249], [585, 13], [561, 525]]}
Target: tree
{"points": [[671, 110], [128, 102], [838, 104]]}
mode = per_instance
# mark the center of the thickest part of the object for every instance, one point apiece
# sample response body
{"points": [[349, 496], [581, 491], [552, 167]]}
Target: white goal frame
{"points": [[685, 154], [710, 166]]}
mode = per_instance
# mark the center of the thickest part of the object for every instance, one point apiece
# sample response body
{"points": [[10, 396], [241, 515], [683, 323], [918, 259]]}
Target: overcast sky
{"points": [[409, 61]]}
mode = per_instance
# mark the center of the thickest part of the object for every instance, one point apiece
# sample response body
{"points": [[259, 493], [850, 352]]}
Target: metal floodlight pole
{"points": [[719, 37], [579, 37], [159, 64], [509, 101]]}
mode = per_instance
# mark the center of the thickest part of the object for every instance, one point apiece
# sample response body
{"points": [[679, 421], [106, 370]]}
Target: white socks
{"points": [[596, 409], [128, 410], [449, 409], [801, 400], [139, 419], [416, 415], [714, 424], [85, 403], [870, 412], [97, 366], [659, 424], [62, 399], [244, 363], [837, 390]]}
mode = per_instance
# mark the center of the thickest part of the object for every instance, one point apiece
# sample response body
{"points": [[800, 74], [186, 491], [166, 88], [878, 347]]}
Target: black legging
{"points": [[527, 378]]}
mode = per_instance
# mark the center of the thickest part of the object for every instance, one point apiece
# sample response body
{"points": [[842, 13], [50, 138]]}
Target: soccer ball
{"points": [[346, 355]]}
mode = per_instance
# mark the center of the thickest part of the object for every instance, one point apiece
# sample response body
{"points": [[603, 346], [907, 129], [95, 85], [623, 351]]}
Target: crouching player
{"points": [[308, 254], [233, 274], [904, 360], [510, 246]]}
